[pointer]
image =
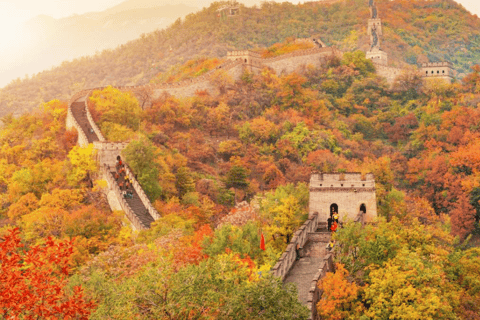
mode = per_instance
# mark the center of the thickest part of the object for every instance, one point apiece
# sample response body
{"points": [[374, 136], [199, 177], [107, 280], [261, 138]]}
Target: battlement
{"points": [[378, 56], [443, 70], [437, 64], [342, 180], [243, 53]]}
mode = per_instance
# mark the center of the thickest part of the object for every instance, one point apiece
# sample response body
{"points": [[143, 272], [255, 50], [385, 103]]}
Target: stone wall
{"points": [[300, 237], [290, 62], [315, 293], [92, 123], [141, 194], [347, 190], [71, 122], [113, 187], [107, 152], [390, 73], [443, 70]]}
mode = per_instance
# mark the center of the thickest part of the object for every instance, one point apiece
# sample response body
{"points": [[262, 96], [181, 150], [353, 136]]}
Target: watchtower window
{"points": [[245, 60], [363, 184], [341, 185], [426, 72], [443, 71], [320, 184], [438, 71]]}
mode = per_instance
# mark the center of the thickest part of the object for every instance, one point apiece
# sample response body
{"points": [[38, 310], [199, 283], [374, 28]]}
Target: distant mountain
{"points": [[413, 31], [45, 42]]}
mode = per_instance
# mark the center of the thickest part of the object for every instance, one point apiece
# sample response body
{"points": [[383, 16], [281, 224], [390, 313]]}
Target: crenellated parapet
{"points": [[438, 70], [288, 258], [286, 63], [123, 204]]}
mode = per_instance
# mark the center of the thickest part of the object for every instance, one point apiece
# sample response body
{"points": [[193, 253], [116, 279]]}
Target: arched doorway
{"points": [[333, 208], [363, 208]]}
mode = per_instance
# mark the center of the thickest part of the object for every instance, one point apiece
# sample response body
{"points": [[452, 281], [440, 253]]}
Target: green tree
{"points": [[140, 157], [237, 179], [184, 182]]}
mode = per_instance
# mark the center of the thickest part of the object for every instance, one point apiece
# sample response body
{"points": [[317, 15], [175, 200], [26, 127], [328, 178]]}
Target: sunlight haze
{"points": [[15, 43]]}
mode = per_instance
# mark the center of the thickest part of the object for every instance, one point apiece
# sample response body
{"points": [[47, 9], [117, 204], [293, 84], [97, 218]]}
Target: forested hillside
{"points": [[414, 31], [258, 141]]}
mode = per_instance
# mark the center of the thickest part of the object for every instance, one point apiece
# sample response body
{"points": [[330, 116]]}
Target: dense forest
{"points": [[64, 253], [414, 32]]}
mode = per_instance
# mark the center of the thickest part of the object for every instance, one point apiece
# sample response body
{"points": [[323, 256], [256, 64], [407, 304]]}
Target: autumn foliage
{"points": [[33, 281]]}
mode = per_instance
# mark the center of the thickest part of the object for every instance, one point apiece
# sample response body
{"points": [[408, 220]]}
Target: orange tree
{"points": [[32, 282]]}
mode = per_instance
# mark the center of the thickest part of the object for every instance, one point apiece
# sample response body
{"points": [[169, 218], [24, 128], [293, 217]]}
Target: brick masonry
{"points": [[347, 190]]}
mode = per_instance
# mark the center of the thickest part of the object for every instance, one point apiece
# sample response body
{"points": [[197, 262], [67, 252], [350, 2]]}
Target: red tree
{"points": [[462, 217], [32, 282]]}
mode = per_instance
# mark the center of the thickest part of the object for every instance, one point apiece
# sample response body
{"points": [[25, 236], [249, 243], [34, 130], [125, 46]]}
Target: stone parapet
{"points": [[71, 122], [315, 294], [135, 221], [289, 256], [92, 123], [138, 188]]}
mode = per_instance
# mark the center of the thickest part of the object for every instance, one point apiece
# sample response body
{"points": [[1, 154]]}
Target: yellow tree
{"points": [[287, 218], [83, 163]]}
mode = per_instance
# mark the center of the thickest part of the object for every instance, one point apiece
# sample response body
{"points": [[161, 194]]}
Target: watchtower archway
{"points": [[333, 209], [363, 208]]}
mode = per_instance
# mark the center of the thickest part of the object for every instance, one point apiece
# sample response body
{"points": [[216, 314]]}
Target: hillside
{"points": [[259, 141], [414, 31]]}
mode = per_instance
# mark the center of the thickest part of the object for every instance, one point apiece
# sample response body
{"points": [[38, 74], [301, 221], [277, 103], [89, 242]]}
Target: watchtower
{"points": [[251, 60], [346, 193], [442, 70]]}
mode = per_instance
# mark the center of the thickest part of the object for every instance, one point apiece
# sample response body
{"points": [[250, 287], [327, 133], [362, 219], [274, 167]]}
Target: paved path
{"points": [[79, 113], [136, 204], [304, 270]]}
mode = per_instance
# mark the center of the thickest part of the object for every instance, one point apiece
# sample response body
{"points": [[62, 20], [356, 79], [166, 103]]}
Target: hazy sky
{"points": [[13, 12]]}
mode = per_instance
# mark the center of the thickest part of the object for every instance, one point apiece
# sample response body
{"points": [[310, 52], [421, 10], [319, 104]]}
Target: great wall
{"points": [[305, 260]]}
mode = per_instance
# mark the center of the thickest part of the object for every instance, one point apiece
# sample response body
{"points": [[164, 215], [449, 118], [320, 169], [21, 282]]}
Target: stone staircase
{"points": [[136, 203], [312, 255], [80, 114], [134, 207]]}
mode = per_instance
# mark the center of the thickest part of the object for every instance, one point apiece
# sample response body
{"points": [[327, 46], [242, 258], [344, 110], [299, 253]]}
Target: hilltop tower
{"points": [[438, 70], [346, 193], [375, 32]]}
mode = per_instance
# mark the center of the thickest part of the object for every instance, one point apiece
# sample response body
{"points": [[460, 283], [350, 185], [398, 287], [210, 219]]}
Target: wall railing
{"points": [[136, 222], [286, 261], [141, 194]]}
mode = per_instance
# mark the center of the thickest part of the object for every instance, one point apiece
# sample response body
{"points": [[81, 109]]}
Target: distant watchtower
{"points": [[229, 10], [376, 54], [440, 70], [346, 193]]}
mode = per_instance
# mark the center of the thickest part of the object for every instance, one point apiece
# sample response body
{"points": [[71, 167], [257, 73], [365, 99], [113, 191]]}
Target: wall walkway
{"points": [[314, 262], [137, 208]]}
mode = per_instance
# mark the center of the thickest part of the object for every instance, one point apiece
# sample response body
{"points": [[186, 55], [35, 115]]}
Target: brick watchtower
{"points": [[375, 32], [346, 193]]}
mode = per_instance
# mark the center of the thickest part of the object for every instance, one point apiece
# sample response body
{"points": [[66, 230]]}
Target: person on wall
{"points": [[334, 226]]}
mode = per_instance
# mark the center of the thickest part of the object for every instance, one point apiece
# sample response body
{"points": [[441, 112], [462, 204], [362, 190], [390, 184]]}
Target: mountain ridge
{"points": [[341, 24]]}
